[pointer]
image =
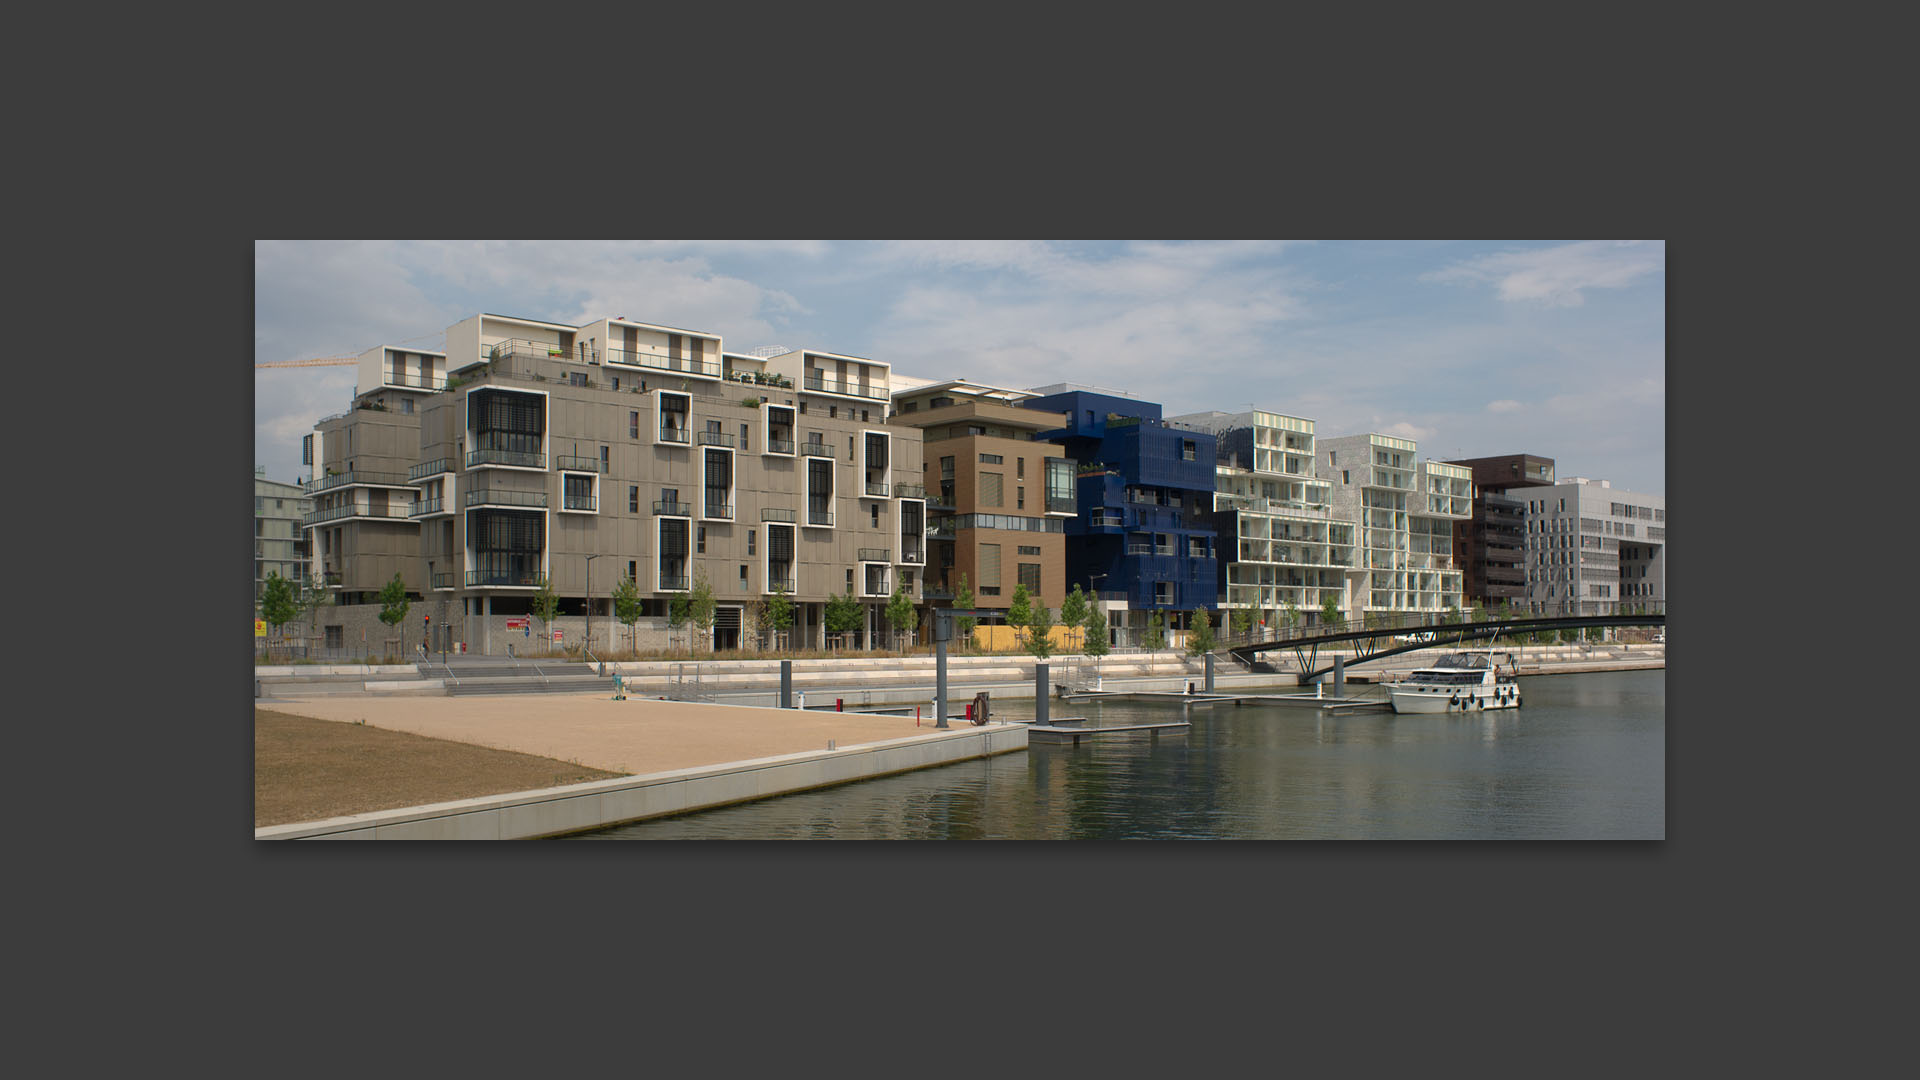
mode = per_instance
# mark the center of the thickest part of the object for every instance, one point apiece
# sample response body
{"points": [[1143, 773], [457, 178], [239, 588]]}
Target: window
{"points": [[833, 411], [616, 382], [633, 499], [992, 489], [633, 424], [743, 438], [743, 574], [1026, 550], [1030, 576], [1344, 478], [700, 541], [1019, 468], [990, 564], [1019, 498], [576, 378], [863, 416], [633, 570], [849, 579], [990, 459], [604, 458], [875, 507], [406, 406]]}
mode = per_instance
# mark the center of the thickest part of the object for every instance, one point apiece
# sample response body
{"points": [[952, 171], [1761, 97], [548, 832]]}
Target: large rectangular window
{"points": [[993, 489], [990, 564], [1030, 576]]}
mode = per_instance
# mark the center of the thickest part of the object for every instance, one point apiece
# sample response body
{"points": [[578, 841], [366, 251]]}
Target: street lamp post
{"points": [[590, 558]]}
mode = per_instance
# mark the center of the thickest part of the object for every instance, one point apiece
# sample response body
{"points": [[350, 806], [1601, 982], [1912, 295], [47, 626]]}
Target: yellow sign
{"points": [[259, 628]]}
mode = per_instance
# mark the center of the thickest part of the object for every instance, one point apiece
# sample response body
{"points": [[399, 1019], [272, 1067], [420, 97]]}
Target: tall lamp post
{"points": [[590, 558]]}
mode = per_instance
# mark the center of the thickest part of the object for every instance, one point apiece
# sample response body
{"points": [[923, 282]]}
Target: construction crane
{"points": [[324, 361]]}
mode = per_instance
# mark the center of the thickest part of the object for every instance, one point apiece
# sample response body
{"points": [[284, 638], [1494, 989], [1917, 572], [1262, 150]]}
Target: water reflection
{"points": [[1585, 758]]}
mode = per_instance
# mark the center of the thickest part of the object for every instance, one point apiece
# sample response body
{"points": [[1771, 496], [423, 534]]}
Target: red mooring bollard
{"points": [[969, 710], [839, 705]]}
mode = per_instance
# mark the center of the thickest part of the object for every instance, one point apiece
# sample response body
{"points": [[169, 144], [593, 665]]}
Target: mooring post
{"points": [[786, 684], [1209, 673], [939, 682], [1040, 693], [1339, 676]]}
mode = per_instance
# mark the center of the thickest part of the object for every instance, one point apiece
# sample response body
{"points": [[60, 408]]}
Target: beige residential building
{"points": [[1405, 509], [586, 454], [279, 535]]}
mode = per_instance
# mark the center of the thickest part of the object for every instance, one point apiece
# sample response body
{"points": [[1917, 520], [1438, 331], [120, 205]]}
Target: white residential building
{"points": [[1592, 549]]}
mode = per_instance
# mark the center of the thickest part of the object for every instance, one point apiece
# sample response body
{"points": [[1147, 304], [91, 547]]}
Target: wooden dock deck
{"points": [[1218, 698], [1071, 731]]}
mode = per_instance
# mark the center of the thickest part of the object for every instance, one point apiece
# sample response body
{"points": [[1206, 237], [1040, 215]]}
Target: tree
{"points": [[1452, 616], [278, 606], [842, 613], [627, 606], [678, 610], [313, 596], [1096, 624], [1073, 611], [1019, 610], [900, 615], [700, 605], [779, 613], [1040, 627], [1242, 622], [963, 599], [1200, 639], [1330, 611], [393, 603], [1291, 612], [1155, 638], [546, 605]]}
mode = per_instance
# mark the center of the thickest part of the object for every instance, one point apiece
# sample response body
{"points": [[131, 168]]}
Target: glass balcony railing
{"points": [[774, 513], [683, 365], [672, 508], [820, 517], [779, 446], [425, 507], [719, 510], [577, 464], [713, 438], [489, 497], [443, 580], [816, 449], [476, 578], [431, 468], [876, 490], [845, 387], [909, 491], [673, 435], [356, 476], [477, 458], [874, 554], [672, 583], [578, 502]]}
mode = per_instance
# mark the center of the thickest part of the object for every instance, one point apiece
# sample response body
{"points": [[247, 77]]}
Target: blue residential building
{"points": [[1143, 537]]}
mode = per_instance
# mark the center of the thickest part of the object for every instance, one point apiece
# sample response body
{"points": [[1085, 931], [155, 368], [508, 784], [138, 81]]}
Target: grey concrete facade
{"points": [[1593, 549]]}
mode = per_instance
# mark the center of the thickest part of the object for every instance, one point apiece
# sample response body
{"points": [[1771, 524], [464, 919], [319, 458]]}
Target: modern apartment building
{"points": [[998, 495], [1278, 540], [364, 524], [1490, 546], [279, 538], [585, 454], [1143, 537], [1592, 549], [1405, 509]]}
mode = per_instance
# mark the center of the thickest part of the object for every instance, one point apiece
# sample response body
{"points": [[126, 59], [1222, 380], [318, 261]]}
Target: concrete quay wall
{"points": [[579, 807]]}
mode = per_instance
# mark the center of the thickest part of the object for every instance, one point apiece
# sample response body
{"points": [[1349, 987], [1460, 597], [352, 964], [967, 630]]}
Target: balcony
{"points": [[443, 580], [816, 449], [780, 584], [875, 554], [415, 382], [912, 554], [426, 507], [512, 458], [431, 468], [875, 490], [489, 497], [823, 518], [673, 435], [679, 365], [774, 513], [392, 513], [672, 508], [578, 464], [723, 511], [672, 583], [909, 491], [779, 446], [714, 438], [479, 578], [845, 388], [361, 476], [579, 502]]}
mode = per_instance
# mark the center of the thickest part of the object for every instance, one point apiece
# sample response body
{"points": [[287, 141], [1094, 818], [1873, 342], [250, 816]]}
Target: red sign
{"points": [[516, 624], [556, 637]]}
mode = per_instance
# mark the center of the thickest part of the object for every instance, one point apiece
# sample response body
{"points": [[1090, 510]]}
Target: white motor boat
{"points": [[1469, 680]]}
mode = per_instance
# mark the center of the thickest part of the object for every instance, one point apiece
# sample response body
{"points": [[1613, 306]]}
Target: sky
{"points": [[1470, 348]]}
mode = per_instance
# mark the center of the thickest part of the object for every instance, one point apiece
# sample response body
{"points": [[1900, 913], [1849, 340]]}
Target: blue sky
{"points": [[1472, 348]]}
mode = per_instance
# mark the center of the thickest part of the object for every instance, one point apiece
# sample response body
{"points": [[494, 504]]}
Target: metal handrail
{"points": [[476, 458], [776, 513], [779, 446], [425, 507], [491, 497], [820, 517], [578, 464], [431, 468], [844, 388], [355, 476], [577, 502], [815, 449], [713, 438], [672, 508], [877, 490], [681, 365], [673, 435]]}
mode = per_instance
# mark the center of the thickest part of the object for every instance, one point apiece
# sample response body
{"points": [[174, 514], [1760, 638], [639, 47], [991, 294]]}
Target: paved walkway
{"points": [[638, 735]]}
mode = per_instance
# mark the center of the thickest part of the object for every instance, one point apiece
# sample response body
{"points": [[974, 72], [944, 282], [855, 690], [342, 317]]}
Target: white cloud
{"points": [[1503, 405], [1556, 276]]}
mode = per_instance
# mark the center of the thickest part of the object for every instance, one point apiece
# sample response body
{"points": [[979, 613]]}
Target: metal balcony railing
{"points": [[477, 578], [673, 435], [775, 513], [780, 584], [680, 365], [779, 446], [425, 507], [844, 387], [672, 508], [431, 468], [477, 458], [490, 497], [816, 449], [875, 554], [578, 502], [672, 584], [719, 510], [820, 517], [876, 489], [355, 510], [356, 476], [909, 491], [912, 556], [713, 438], [577, 464], [415, 382], [443, 580]]}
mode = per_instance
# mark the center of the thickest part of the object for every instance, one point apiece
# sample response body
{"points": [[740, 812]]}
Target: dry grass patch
{"points": [[308, 770]]}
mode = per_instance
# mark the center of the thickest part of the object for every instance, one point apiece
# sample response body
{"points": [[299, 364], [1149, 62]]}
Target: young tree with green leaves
{"points": [[1200, 640], [627, 606], [278, 605], [1073, 611], [963, 599], [842, 613], [1291, 613], [394, 604], [313, 596], [1019, 610], [546, 605], [700, 605], [900, 614], [1155, 638], [1452, 615], [1241, 620], [1040, 631], [779, 613], [679, 610], [1330, 611]]}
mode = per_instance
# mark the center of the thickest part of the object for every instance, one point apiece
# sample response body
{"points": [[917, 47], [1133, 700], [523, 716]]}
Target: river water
{"points": [[1583, 758]]}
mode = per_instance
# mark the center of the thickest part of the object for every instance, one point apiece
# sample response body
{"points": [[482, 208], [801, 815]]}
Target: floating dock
{"points": [[1071, 731], [1217, 698]]}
